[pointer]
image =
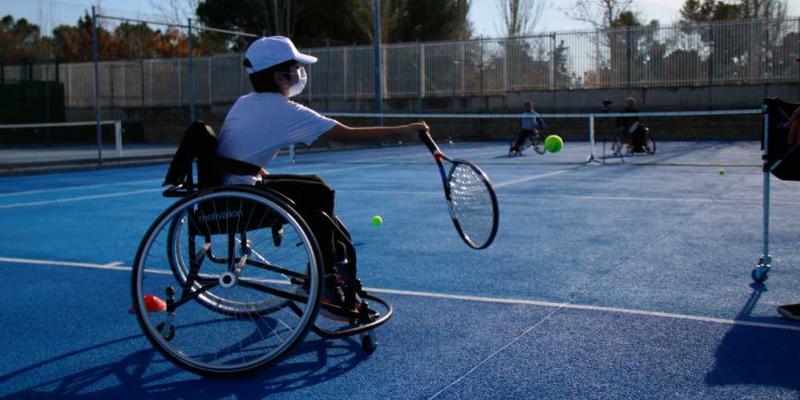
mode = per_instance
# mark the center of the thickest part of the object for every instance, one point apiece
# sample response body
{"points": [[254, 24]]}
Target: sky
{"points": [[483, 14]]}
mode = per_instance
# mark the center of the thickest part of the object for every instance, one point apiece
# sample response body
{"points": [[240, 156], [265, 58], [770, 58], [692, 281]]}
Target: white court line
{"points": [[533, 177], [61, 189], [120, 194], [117, 266], [72, 199]]}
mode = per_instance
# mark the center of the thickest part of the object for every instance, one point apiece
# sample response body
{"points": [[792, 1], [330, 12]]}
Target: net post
{"points": [[96, 56], [191, 73], [765, 260], [291, 153], [118, 137], [592, 155]]}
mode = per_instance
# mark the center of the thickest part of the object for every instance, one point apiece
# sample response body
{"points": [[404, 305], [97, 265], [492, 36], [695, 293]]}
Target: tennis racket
{"points": [[470, 197]]}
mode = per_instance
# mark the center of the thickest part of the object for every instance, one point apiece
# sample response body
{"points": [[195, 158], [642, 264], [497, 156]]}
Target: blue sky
{"points": [[484, 14]]}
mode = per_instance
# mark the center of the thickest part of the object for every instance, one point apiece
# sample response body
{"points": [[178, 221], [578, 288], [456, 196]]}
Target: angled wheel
{"points": [[650, 145], [233, 304], [760, 274], [536, 143]]}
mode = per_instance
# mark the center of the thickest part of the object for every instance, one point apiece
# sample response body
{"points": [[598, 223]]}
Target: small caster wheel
{"points": [[168, 336], [368, 344], [760, 275]]}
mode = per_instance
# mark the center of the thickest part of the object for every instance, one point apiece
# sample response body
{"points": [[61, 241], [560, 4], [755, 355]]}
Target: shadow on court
{"points": [[145, 374], [756, 356]]}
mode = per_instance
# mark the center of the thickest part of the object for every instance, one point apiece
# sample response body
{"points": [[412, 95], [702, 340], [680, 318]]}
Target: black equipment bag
{"points": [[783, 160]]}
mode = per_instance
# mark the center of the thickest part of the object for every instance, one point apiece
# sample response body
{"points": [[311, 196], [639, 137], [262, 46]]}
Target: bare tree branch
{"points": [[175, 11], [601, 14], [519, 17]]}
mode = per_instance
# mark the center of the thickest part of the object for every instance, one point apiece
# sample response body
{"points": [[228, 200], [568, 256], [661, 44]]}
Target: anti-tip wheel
{"points": [[169, 335], [367, 344], [760, 275]]}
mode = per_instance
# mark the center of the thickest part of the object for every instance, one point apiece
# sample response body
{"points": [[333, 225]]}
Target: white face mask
{"points": [[298, 87]]}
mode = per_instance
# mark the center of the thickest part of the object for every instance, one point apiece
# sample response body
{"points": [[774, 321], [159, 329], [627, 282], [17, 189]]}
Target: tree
{"points": [[520, 17], [175, 11], [72, 42], [318, 22], [694, 11], [20, 41], [737, 56], [601, 14]]}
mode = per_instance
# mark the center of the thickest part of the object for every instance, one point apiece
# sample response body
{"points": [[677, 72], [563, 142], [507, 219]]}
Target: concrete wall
{"points": [[166, 125], [583, 100]]}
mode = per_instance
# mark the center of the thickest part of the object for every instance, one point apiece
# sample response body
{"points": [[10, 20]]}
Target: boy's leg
{"points": [[310, 195], [523, 134]]}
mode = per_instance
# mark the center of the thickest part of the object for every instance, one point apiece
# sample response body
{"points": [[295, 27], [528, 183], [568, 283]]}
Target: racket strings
{"points": [[471, 204]]}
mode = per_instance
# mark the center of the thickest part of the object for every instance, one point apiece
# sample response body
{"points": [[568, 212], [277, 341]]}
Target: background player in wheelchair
{"points": [[530, 134], [633, 136]]}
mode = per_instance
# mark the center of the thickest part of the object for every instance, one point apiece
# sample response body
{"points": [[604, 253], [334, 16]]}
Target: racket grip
{"points": [[426, 138]]}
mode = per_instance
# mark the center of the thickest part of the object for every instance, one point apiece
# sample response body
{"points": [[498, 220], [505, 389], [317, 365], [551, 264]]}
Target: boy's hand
{"points": [[794, 127], [411, 131]]}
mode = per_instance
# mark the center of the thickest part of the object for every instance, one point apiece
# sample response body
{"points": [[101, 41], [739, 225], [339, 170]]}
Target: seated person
{"points": [[632, 126], [531, 124], [792, 311], [262, 122]]}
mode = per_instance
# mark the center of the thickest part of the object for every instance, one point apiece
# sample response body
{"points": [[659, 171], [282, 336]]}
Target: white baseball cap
{"points": [[273, 50]]}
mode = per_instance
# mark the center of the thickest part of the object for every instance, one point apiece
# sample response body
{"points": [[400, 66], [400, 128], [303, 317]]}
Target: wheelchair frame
{"points": [[192, 286]]}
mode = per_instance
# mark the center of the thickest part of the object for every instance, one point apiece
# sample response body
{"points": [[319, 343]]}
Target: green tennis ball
{"points": [[377, 220], [722, 171], [553, 144]]}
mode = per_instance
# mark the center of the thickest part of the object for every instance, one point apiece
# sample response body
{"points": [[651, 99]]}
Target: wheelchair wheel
{"points": [[650, 145], [178, 235], [236, 300], [618, 147], [535, 142]]}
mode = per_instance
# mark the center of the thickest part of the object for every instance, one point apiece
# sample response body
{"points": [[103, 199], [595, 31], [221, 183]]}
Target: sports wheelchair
{"points": [[641, 141], [229, 279], [532, 141]]}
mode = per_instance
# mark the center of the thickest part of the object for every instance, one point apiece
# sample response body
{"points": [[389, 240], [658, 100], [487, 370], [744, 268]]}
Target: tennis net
{"points": [[682, 138], [42, 143]]}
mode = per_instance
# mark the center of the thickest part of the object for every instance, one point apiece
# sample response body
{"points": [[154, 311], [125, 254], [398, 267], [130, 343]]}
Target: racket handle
{"points": [[426, 138]]}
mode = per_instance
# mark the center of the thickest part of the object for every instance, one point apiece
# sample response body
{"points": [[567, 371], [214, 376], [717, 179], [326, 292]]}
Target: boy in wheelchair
{"points": [[531, 126], [262, 122]]}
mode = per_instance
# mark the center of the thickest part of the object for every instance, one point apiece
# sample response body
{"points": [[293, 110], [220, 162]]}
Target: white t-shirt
{"points": [[260, 124]]}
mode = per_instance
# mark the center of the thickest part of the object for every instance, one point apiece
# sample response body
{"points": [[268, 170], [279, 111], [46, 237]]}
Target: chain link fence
{"points": [[682, 55]]}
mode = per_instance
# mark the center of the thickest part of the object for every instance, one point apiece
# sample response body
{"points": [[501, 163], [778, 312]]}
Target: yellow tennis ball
{"points": [[553, 144], [377, 220], [722, 171]]}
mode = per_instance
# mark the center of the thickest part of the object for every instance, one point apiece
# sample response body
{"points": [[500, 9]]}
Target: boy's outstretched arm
{"points": [[344, 133]]}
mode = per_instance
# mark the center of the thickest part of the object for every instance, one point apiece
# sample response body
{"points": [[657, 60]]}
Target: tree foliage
{"points": [[710, 10], [317, 22]]}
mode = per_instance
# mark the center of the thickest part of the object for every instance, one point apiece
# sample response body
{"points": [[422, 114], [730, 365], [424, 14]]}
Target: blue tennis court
{"points": [[605, 281]]}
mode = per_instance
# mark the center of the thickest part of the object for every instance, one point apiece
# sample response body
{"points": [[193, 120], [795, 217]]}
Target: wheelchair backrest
{"points": [[199, 143]]}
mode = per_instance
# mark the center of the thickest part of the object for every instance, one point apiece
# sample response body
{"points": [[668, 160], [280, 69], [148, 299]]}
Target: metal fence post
{"points": [[553, 61], [191, 75], [376, 10], [421, 63], [96, 56]]}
